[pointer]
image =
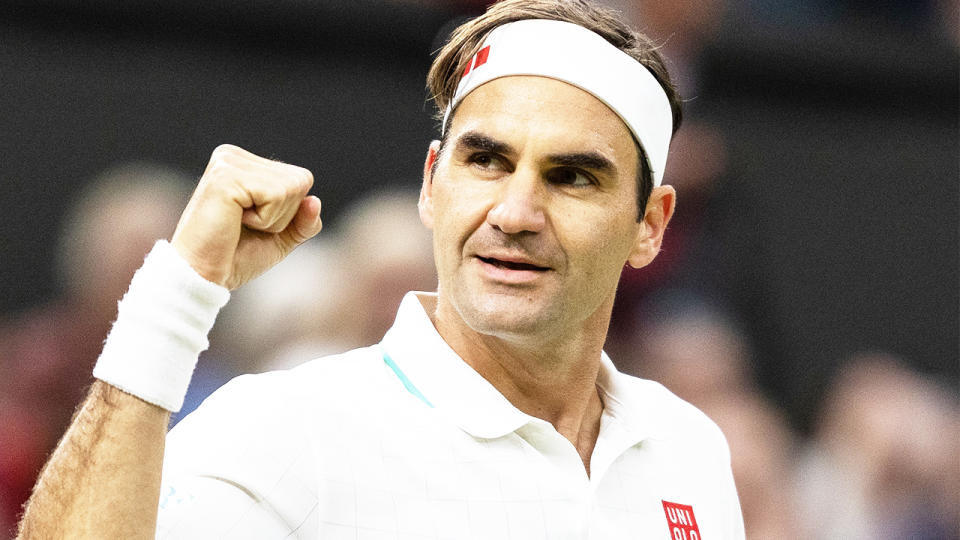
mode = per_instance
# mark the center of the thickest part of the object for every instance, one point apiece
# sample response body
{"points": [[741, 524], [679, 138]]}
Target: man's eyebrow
{"points": [[585, 160], [474, 140]]}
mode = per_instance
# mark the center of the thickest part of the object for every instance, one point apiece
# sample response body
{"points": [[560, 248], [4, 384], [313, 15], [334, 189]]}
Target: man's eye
{"points": [[485, 161], [482, 159], [571, 177]]}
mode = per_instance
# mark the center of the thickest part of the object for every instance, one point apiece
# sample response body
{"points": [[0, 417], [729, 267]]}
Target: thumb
{"points": [[305, 224]]}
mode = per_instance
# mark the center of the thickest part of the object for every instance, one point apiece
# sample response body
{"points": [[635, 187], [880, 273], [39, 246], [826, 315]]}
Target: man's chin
{"points": [[507, 315]]}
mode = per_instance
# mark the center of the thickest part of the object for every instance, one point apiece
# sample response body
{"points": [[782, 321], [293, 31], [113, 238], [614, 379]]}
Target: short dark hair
{"points": [[465, 41]]}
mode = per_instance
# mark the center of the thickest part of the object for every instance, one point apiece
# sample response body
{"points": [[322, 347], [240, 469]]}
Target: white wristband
{"points": [[161, 328]]}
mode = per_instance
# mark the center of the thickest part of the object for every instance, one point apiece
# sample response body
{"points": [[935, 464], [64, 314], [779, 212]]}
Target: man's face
{"points": [[533, 208]]}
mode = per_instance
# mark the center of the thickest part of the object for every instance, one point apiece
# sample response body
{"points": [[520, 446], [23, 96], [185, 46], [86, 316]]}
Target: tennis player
{"points": [[489, 409]]}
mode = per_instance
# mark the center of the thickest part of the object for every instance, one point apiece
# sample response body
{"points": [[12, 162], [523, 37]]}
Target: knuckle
{"points": [[305, 185], [218, 169], [306, 176], [296, 181], [225, 150], [221, 158], [293, 189], [301, 176], [219, 165]]}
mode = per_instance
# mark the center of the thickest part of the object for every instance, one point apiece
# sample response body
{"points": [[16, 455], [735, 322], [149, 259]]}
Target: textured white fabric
{"points": [[572, 54], [340, 447], [161, 328]]}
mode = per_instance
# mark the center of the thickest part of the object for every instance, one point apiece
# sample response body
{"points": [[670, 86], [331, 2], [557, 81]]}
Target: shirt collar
{"points": [[476, 406], [453, 387], [629, 401]]}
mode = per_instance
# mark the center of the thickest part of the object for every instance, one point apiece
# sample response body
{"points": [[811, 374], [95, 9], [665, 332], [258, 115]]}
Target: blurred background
{"points": [[806, 297]]}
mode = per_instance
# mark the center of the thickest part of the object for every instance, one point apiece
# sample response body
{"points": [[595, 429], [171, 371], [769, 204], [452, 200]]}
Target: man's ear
{"points": [[659, 210], [425, 204]]}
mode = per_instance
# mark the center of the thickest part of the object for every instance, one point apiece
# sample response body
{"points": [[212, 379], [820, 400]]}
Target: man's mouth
{"points": [[512, 265]]}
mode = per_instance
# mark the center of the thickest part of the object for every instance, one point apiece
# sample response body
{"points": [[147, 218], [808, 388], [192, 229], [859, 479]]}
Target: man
{"points": [[489, 409]]}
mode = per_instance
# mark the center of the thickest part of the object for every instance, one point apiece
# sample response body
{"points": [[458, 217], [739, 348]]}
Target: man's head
{"points": [[533, 200], [454, 58]]}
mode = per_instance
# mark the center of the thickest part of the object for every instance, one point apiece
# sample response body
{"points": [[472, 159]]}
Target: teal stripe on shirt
{"points": [[403, 378]]}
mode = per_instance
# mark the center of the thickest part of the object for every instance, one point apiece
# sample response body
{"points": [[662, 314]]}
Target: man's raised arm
{"points": [[103, 480]]}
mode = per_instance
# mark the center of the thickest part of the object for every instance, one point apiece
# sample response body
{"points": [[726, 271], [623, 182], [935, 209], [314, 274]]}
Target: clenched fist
{"points": [[245, 216]]}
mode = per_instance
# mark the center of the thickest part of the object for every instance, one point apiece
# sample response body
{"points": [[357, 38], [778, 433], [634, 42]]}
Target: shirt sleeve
{"points": [[240, 466]]}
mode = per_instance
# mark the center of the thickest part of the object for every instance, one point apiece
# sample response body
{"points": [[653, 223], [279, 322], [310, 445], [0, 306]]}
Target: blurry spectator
{"points": [[48, 353], [699, 353], [691, 347], [22, 450], [884, 461], [388, 252], [301, 303], [762, 453]]}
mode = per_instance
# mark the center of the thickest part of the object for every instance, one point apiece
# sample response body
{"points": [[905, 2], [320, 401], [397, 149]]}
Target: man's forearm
{"points": [[103, 480]]}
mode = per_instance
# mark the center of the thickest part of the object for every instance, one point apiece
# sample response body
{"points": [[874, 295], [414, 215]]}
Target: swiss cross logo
{"points": [[682, 522], [478, 60]]}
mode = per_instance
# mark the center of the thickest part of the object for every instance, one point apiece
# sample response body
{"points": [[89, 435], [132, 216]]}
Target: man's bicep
{"points": [[210, 507]]}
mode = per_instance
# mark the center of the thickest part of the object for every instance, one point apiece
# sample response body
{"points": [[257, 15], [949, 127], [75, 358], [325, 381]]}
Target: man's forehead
{"points": [[546, 113]]}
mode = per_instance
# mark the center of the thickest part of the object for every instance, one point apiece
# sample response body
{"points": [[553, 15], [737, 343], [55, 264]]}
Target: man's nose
{"points": [[519, 205]]}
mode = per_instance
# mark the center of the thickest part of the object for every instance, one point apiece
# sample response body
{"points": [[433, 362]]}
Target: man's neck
{"points": [[551, 379]]}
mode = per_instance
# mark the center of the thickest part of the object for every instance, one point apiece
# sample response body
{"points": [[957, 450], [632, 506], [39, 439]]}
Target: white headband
{"points": [[575, 55]]}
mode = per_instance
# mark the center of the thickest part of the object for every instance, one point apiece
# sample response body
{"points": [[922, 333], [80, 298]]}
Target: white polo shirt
{"points": [[403, 440]]}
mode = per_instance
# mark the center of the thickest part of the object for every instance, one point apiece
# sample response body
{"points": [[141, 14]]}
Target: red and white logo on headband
{"points": [[681, 521], [478, 60]]}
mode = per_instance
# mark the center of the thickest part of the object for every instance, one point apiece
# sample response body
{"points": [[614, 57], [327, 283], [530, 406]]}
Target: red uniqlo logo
{"points": [[482, 55], [478, 60], [682, 523]]}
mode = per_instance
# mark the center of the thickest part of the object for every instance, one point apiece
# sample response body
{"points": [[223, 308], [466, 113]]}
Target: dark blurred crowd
{"points": [[882, 460]]}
